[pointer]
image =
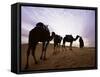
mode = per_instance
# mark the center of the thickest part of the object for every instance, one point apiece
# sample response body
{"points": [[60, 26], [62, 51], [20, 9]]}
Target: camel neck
{"points": [[76, 38]]}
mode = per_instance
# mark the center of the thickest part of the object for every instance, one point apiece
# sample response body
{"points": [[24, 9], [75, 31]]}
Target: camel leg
{"points": [[33, 52], [71, 45], [43, 44], [59, 46], [54, 48], [27, 60], [63, 46], [45, 50]]}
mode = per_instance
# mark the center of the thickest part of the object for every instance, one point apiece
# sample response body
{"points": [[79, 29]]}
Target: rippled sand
{"points": [[62, 59]]}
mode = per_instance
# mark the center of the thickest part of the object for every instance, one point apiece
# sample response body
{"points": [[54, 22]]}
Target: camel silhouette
{"points": [[57, 41], [81, 42], [69, 38], [40, 33]]}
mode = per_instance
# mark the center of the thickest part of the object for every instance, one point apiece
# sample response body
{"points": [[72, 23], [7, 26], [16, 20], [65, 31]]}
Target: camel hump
{"points": [[58, 36], [69, 36], [40, 25]]}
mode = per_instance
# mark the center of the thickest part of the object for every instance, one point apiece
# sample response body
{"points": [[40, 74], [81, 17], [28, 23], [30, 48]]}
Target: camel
{"points": [[69, 38], [57, 41], [40, 33]]}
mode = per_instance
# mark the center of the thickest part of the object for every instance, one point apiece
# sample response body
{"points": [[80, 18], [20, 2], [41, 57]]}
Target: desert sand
{"points": [[84, 57]]}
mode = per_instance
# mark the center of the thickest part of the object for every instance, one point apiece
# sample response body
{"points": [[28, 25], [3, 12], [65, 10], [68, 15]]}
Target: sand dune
{"points": [[62, 59]]}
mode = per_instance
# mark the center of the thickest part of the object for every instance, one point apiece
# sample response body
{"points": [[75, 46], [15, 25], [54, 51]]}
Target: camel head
{"points": [[52, 36], [76, 37]]}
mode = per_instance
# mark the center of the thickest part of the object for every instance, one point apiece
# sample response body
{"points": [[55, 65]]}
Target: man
{"points": [[81, 42]]}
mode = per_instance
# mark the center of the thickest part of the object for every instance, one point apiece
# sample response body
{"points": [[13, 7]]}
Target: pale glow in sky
{"points": [[61, 21]]}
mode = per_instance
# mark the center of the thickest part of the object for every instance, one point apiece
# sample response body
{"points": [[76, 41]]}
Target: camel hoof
{"points": [[40, 58], [54, 53], [44, 58], [70, 49], [26, 67], [65, 49], [36, 62]]}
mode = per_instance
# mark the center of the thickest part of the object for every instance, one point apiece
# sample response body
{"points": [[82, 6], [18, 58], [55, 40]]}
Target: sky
{"points": [[61, 21]]}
